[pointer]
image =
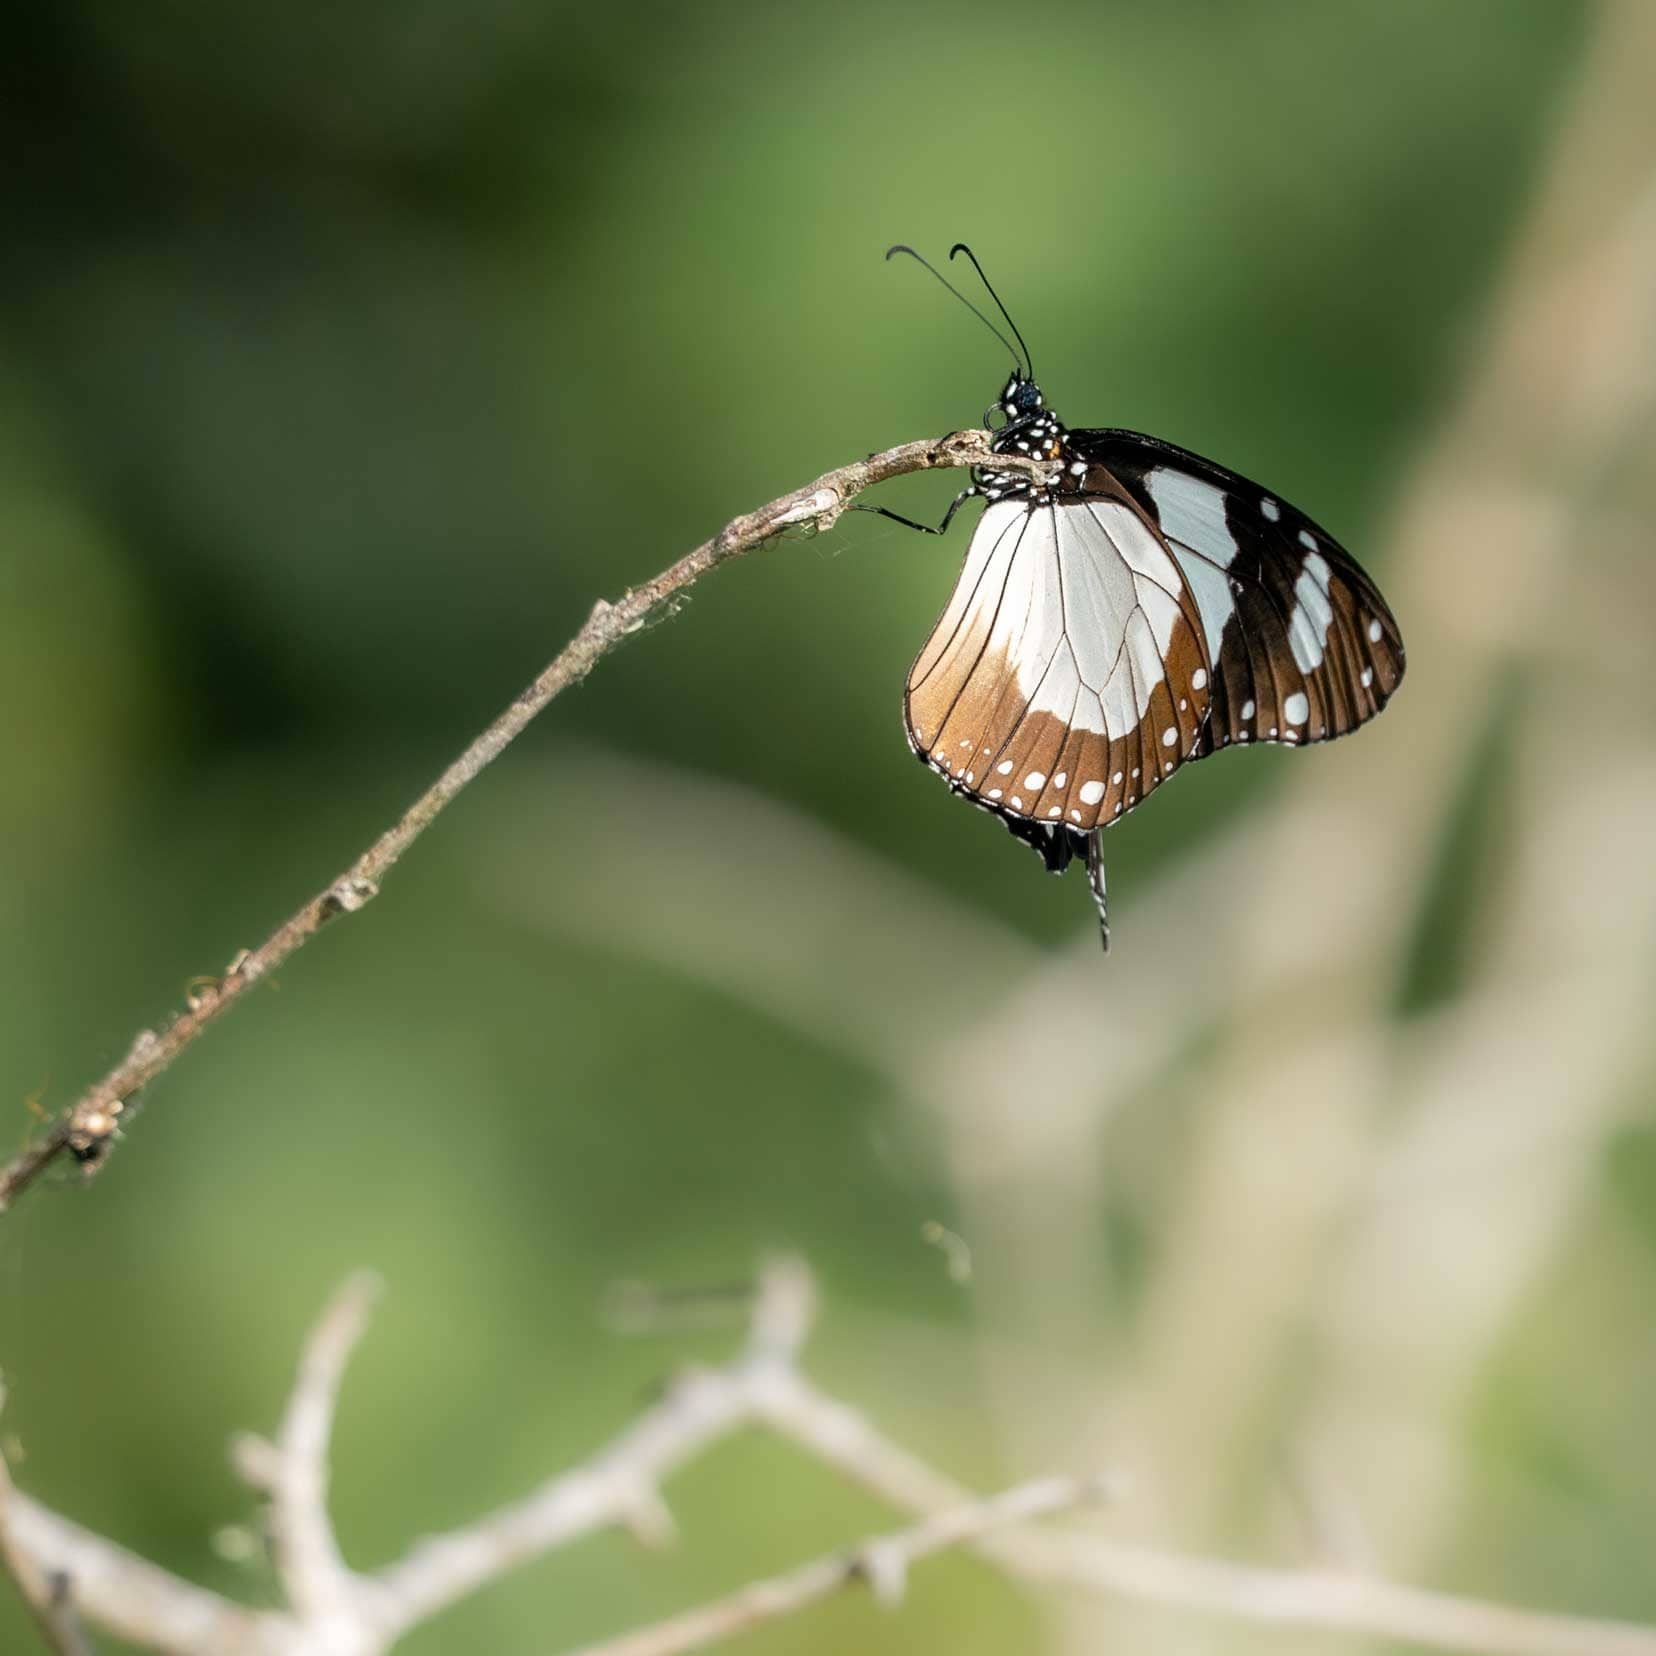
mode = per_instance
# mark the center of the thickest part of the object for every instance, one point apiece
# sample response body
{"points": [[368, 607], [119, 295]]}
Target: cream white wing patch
{"points": [[1192, 514]]}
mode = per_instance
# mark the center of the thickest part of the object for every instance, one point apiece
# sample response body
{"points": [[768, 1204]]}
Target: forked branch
{"points": [[333, 1610]]}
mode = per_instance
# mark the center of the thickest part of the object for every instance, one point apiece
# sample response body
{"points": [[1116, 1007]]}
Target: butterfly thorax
{"points": [[1029, 429]]}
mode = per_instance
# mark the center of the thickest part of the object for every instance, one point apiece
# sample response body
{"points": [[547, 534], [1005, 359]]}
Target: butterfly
{"points": [[1135, 610]]}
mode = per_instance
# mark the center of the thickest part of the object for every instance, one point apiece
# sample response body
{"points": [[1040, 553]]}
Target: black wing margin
{"points": [[1303, 645]]}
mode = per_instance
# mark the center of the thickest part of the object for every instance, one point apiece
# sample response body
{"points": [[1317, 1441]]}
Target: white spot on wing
{"points": [[1313, 614], [1198, 678], [1270, 508], [1034, 780], [1193, 511], [1374, 632], [1297, 709], [1092, 792], [1248, 709], [1170, 735]]}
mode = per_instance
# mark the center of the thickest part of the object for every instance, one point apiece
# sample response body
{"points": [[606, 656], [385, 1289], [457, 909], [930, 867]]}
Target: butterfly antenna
{"points": [[961, 247], [903, 247]]}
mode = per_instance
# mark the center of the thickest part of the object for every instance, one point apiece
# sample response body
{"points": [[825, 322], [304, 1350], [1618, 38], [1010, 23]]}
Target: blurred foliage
{"points": [[351, 352]]}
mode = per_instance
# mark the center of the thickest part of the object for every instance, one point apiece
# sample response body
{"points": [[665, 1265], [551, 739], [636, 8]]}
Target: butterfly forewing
{"points": [[1068, 673], [1304, 647]]}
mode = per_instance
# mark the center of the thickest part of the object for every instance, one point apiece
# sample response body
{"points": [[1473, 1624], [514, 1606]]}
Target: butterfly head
{"points": [[1022, 422], [1019, 418], [1021, 400]]}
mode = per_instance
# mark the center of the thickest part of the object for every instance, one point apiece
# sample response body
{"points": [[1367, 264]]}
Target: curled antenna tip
{"points": [[961, 247], [1019, 364]]}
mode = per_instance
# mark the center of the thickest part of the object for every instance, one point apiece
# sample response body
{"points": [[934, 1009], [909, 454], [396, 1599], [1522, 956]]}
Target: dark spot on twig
{"points": [[88, 1152], [347, 896]]}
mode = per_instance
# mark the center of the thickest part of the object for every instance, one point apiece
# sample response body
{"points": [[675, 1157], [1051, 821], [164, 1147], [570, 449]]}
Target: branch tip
{"points": [[649, 1520], [784, 1309], [342, 1324], [255, 1461]]}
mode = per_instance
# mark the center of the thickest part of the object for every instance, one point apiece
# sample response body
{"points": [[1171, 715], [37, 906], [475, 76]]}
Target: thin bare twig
{"points": [[88, 1127], [882, 1563]]}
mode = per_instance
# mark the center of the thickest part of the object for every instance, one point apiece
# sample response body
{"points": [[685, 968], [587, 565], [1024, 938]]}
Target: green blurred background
{"points": [[349, 354]]}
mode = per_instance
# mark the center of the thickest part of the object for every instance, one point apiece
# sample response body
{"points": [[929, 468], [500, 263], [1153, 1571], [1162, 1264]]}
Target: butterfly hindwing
{"points": [[1304, 647], [1067, 675]]}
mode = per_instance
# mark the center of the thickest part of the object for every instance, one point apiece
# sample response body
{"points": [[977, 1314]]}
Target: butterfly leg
{"points": [[1095, 878], [924, 528]]}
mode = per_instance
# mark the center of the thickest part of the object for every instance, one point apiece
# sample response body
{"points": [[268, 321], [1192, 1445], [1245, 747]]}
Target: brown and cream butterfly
{"points": [[1138, 609]]}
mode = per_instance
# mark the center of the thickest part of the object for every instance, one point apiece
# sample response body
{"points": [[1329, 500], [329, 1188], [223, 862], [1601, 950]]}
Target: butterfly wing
{"points": [[1067, 675], [1304, 647]]}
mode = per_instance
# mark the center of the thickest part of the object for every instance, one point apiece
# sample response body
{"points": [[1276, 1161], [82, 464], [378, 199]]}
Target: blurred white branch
{"points": [[335, 1611], [1329, 1601], [620, 1484], [293, 1473], [44, 1593], [882, 1563]]}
